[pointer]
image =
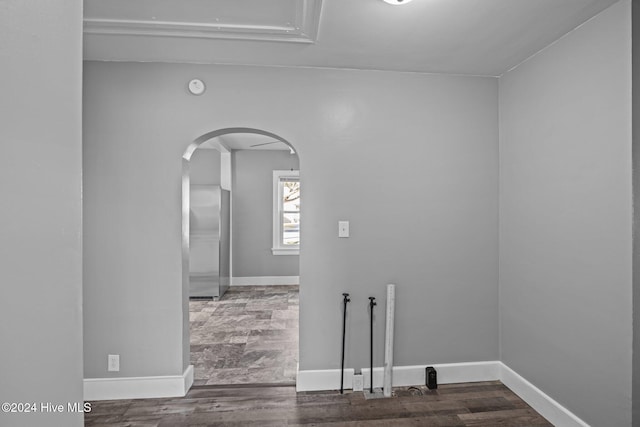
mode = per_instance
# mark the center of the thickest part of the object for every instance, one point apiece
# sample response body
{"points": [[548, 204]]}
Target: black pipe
{"points": [[372, 303], [344, 333]]}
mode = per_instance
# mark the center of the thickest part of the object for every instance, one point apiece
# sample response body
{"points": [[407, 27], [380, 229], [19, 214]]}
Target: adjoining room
{"points": [[243, 328]]}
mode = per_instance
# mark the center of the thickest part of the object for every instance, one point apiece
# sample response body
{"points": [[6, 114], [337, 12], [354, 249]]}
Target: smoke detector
{"points": [[397, 2], [196, 87]]}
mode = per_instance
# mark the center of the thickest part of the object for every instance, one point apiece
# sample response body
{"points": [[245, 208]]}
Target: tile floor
{"points": [[249, 336]]}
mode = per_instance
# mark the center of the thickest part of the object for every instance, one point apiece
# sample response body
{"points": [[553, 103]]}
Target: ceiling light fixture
{"points": [[397, 2]]}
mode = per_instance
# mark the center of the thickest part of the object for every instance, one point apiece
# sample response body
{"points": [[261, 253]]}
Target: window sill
{"points": [[285, 251]]}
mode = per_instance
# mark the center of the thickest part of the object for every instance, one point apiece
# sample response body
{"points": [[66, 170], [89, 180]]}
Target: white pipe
{"points": [[388, 342]]}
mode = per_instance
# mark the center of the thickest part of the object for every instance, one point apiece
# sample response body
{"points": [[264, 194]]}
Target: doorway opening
{"points": [[241, 269]]}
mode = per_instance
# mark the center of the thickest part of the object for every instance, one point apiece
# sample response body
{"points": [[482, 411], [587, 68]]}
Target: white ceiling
{"points": [[477, 37]]}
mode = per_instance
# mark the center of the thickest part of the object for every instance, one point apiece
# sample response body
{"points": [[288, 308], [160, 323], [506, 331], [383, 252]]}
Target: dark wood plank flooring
{"points": [[470, 404]]}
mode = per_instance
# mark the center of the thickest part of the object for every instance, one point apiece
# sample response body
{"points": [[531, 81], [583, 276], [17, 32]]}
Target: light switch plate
{"points": [[343, 228]]}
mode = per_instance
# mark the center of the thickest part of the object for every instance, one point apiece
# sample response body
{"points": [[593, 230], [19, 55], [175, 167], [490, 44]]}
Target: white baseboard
{"points": [[138, 387], [329, 379], [449, 373], [554, 412], [265, 280], [325, 379]]}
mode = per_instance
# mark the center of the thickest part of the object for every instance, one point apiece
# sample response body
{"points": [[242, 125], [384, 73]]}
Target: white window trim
{"points": [[278, 248]]}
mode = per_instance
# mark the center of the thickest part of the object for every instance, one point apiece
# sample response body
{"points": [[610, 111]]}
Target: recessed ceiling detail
{"points": [[276, 20], [471, 37]]}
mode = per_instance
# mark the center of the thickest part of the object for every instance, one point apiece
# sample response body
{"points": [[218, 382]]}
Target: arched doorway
{"points": [[250, 334]]}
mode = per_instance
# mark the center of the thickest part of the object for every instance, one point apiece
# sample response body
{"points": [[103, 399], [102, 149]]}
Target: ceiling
{"points": [[245, 141], [474, 37]]}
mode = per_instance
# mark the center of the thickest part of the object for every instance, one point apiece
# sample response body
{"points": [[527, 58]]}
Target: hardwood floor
{"points": [[470, 404]]}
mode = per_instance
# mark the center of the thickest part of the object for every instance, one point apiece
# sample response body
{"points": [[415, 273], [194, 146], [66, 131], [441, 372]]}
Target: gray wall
{"points": [[418, 152], [252, 178], [132, 224], [565, 219], [636, 207], [204, 167], [40, 217]]}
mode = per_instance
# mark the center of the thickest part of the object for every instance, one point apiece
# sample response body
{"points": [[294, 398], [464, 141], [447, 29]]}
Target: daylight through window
{"points": [[286, 233]]}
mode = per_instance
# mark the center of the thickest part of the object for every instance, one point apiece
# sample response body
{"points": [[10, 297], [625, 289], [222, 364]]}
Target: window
{"points": [[286, 213]]}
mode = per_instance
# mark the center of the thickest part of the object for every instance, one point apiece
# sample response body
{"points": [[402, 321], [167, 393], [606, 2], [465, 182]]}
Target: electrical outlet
{"points": [[113, 362], [358, 382]]}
